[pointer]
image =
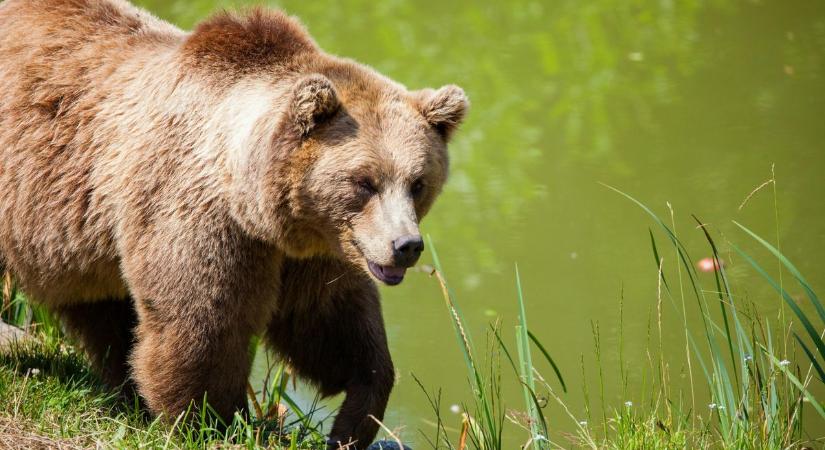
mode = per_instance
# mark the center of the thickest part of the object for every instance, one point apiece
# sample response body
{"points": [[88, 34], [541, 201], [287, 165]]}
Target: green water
{"points": [[687, 102]]}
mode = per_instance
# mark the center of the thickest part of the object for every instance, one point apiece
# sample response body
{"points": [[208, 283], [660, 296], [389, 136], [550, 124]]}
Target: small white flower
{"points": [[628, 403], [720, 407], [455, 409], [712, 406], [583, 423], [540, 437], [35, 372], [748, 358], [784, 363]]}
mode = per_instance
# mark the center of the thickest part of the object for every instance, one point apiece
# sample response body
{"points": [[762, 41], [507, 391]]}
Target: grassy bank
{"points": [[751, 379], [50, 399]]}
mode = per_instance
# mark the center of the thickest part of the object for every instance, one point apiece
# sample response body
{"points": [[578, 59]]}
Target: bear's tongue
{"points": [[394, 272], [387, 274]]}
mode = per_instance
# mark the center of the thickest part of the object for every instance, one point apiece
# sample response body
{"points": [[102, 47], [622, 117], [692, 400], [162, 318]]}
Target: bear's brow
{"points": [[412, 162]]}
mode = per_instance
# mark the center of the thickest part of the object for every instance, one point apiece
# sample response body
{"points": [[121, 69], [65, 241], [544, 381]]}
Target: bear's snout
{"points": [[407, 249]]}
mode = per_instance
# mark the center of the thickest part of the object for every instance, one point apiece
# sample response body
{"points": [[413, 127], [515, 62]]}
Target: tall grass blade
{"points": [[741, 335], [806, 322], [541, 440], [820, 309], [548, 358], [811, 357], [491, 432], [526, 371], [656, 257], [805, 392], [503, 347]]}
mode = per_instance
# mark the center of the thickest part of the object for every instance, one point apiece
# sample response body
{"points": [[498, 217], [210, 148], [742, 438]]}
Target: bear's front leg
{"points": [[329, 327]]}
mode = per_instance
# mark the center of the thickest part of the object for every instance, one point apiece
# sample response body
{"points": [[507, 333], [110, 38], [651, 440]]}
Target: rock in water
{"points": [[386, 445]]}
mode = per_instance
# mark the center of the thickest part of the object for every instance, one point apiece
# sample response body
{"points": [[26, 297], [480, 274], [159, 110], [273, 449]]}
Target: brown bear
{"points": [[170, 195]]}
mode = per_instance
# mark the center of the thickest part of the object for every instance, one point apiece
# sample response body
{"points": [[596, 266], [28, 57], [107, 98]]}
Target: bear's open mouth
{"points": [[387, 274]]}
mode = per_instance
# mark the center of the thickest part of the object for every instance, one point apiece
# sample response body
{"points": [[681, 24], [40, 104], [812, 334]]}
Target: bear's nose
{"points": [[407, 249]]}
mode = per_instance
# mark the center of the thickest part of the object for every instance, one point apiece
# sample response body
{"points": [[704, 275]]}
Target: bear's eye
{"points": [[417, 188], [365, 186]]}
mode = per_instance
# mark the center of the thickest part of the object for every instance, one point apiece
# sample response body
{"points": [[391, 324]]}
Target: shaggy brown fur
{"points": [[172, 194]]}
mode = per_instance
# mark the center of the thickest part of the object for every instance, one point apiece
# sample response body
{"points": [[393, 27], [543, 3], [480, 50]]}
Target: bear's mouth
{"points": [[388, 274]]}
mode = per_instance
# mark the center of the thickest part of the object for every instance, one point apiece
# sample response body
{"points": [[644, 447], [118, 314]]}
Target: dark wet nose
{"points": [[407, 249]]}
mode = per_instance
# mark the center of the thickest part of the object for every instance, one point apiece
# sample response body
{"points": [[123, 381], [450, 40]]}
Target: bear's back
{"points": [[82, 18], [59, 61]]}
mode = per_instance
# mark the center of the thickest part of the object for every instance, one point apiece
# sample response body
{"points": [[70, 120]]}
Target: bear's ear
{"points": [[313, 101], [444, 109]]}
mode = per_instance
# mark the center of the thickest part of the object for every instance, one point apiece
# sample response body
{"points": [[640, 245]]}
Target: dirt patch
{"points": [[15, 435]]}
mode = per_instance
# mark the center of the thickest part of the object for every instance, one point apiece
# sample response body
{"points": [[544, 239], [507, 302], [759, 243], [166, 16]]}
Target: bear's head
{"points": [[349, 167], [371, 162]]}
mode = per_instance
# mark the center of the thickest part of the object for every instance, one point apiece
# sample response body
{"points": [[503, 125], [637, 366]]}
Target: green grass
{"points": [[49, 398], [48, 394]]}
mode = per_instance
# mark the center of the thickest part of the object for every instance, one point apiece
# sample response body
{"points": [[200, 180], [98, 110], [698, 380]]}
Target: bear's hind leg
{"points": [[105, 331]]}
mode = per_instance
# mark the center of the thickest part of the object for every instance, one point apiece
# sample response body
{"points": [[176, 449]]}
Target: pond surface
{"points": [[686, 102]]}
